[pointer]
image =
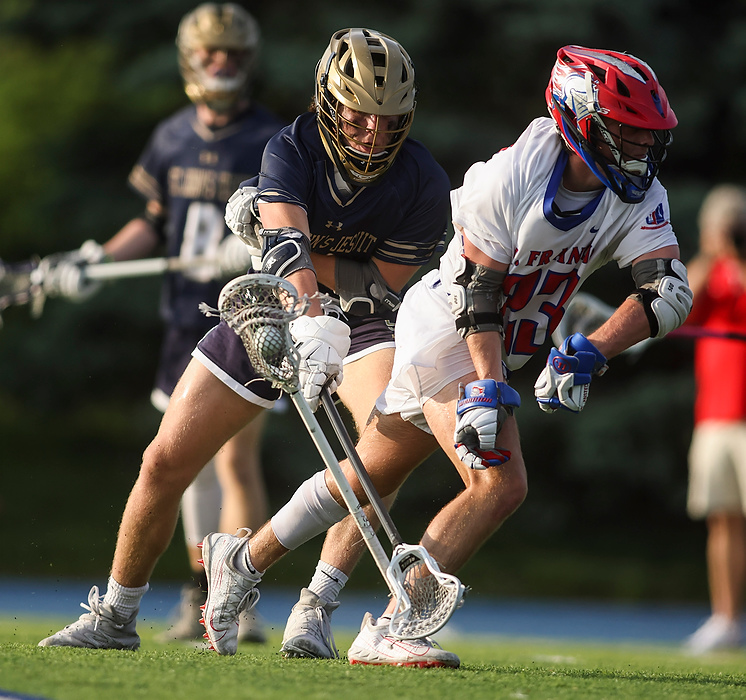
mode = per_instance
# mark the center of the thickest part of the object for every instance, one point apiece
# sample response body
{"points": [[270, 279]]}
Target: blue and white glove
{"points": [[481, 411], [322, 342], [565, 381]]}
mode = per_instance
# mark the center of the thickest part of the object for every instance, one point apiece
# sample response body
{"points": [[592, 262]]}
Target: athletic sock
{"points": [[327, 582], [125, 601], [242, 562]]}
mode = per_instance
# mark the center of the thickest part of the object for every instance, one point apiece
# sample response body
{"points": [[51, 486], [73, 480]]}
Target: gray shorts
{"points": [[717, 469]]}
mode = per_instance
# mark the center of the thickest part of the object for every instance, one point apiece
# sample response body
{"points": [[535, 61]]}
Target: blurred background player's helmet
{"points": [[371, 73], [217, 26], [588, 84]]}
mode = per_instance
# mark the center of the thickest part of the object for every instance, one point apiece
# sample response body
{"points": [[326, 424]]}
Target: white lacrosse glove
{"points": [[63, 274], [242, 216], [481, 411], [322, 342], [565, 381], [234, 256]]}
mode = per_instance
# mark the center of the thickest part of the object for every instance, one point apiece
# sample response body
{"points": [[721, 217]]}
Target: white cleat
{"points": [[229, 592], [373, 646], [100, 628], [308, 632], [718, 632]]}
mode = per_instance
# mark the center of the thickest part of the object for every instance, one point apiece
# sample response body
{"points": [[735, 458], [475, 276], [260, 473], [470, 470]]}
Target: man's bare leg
{"points": [[203, 414], [490, 496], [726, 563]]}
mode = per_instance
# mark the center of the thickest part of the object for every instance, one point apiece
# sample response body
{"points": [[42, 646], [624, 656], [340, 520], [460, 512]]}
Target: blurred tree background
{"points": [[83, 83]]}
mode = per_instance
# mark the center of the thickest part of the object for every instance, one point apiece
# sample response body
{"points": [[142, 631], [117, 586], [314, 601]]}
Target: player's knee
{"points": [[502, 491], [515, 492], [160, 469]]}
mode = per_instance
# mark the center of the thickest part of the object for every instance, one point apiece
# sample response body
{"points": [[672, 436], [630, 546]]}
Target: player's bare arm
{"points": [[629, 324], [485, 403], [139, 237], [485, 347], [277, 215]]}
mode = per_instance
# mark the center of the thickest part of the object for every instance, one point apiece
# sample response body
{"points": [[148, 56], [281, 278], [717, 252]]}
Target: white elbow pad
{"points": [[667, 299], [673, 304]]}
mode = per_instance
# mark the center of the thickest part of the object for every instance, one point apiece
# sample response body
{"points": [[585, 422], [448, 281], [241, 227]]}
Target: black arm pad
{"points": [[477, 298], [284, 251]]}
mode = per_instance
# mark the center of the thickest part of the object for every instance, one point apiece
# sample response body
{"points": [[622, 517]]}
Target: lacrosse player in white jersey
{"points": [[577, 190]]}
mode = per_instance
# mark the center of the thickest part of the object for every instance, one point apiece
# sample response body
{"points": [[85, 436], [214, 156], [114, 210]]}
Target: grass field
{"points": [[491, 668]]}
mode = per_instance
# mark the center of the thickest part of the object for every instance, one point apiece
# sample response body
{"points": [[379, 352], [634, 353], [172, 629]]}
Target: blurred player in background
{"points": [[717, 456], [349, 204], [193, 162], [576, 190]]}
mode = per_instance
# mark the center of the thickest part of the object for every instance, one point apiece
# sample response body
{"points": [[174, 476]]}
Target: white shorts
{"points": [[717, 469], [430, 354]]}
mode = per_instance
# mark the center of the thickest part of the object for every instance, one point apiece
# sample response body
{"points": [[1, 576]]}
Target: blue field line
{"points": [[573, 619]]}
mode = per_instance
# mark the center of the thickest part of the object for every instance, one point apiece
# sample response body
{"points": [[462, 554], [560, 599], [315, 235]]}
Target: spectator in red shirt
{"points": [[717, 456]]}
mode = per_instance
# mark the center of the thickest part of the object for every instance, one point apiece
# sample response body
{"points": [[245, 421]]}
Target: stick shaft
{"points": [[350, 499], [700, 332], [359, 468], [143, 268]]}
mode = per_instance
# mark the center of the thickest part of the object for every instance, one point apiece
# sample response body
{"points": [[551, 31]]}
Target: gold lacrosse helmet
{"points": [[370, 73], [217, 26]]}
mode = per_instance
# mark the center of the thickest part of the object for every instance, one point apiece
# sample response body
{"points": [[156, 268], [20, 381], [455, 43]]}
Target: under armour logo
{"points": [[335, 225]]}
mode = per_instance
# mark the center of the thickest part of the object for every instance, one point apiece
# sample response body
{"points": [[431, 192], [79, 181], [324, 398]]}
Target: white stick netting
{"points": [[259, 309], [427, 597]]}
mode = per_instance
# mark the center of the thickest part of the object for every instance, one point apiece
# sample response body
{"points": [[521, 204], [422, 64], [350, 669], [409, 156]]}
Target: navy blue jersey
{"points": [[191, 171], [400, 219]]}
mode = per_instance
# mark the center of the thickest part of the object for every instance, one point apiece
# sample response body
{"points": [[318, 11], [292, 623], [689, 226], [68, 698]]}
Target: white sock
{"points": [[242, 562], [125, 601], [327, 582]]}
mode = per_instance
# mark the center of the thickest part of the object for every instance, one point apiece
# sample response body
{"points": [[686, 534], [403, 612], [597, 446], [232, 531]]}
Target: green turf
{"points": [[491, 668]]}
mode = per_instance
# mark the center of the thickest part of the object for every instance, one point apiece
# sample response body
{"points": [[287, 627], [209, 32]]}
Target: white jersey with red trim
{"points": [[505, 208]]}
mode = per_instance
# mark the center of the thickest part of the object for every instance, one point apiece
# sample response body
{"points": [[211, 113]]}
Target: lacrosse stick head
{"points": [[259, 309], [425, 596], [21, 284]]}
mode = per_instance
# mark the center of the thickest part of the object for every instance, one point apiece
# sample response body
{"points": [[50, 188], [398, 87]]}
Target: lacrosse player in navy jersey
{"points": [[191, 165], [349, 204], [576, 190]]}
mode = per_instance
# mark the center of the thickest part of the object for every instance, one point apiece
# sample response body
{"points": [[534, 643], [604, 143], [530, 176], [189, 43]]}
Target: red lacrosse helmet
{"points": [[588, 84]]}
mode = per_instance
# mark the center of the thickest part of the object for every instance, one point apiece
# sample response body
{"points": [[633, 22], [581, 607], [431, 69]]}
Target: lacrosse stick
{"points": [[18, 286], [429, 595], [259, 309], [144, 267], [586, 313], [23, 283]]}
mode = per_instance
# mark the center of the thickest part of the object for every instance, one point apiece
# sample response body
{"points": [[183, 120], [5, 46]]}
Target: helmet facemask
{"points": [[629, 178], [592, 122], [364, 103], [227, 28], [361, 159]]}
